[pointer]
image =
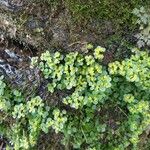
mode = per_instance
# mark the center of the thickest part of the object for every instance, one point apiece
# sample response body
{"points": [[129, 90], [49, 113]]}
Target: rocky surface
{"points": [[46, 28], [14, 65]]}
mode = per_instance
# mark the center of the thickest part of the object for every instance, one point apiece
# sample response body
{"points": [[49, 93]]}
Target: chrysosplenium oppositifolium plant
{"points": [[22, 121], [111, 102], [89, 79], [109, 105]]}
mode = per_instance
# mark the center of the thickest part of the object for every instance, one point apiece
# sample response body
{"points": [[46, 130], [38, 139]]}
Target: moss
{"points": [[101, 19], [117, 10], [86, 10]]}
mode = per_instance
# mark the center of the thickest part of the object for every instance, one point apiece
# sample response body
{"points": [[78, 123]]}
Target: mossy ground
{"points": [[69, 25]]}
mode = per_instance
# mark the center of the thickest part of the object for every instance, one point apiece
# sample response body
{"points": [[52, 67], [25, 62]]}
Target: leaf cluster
{"points": [[125, 85]]}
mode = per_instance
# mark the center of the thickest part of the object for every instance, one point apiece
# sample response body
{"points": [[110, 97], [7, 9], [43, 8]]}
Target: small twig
{"points": [[78, 42], [84, 134], [1, 146], [122, 111]]}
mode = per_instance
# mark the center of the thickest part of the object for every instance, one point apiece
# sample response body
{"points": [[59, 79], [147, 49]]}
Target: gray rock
{"points": [[11, 5]]}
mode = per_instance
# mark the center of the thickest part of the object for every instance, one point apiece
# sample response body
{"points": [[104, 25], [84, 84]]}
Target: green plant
{"points": [[109, 105], [124, 85], [28, 118], [105, 9], [135, 69], [90, 80], [143, 20]]}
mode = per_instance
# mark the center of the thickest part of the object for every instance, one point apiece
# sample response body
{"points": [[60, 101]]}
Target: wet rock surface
{"points": [[2, 143], [14, 65], [45, 27], [11, 5]]}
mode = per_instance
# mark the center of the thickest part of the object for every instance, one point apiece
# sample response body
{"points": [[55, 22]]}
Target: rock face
{"points": [[14, 65], [11, 5], [46, 27]]}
